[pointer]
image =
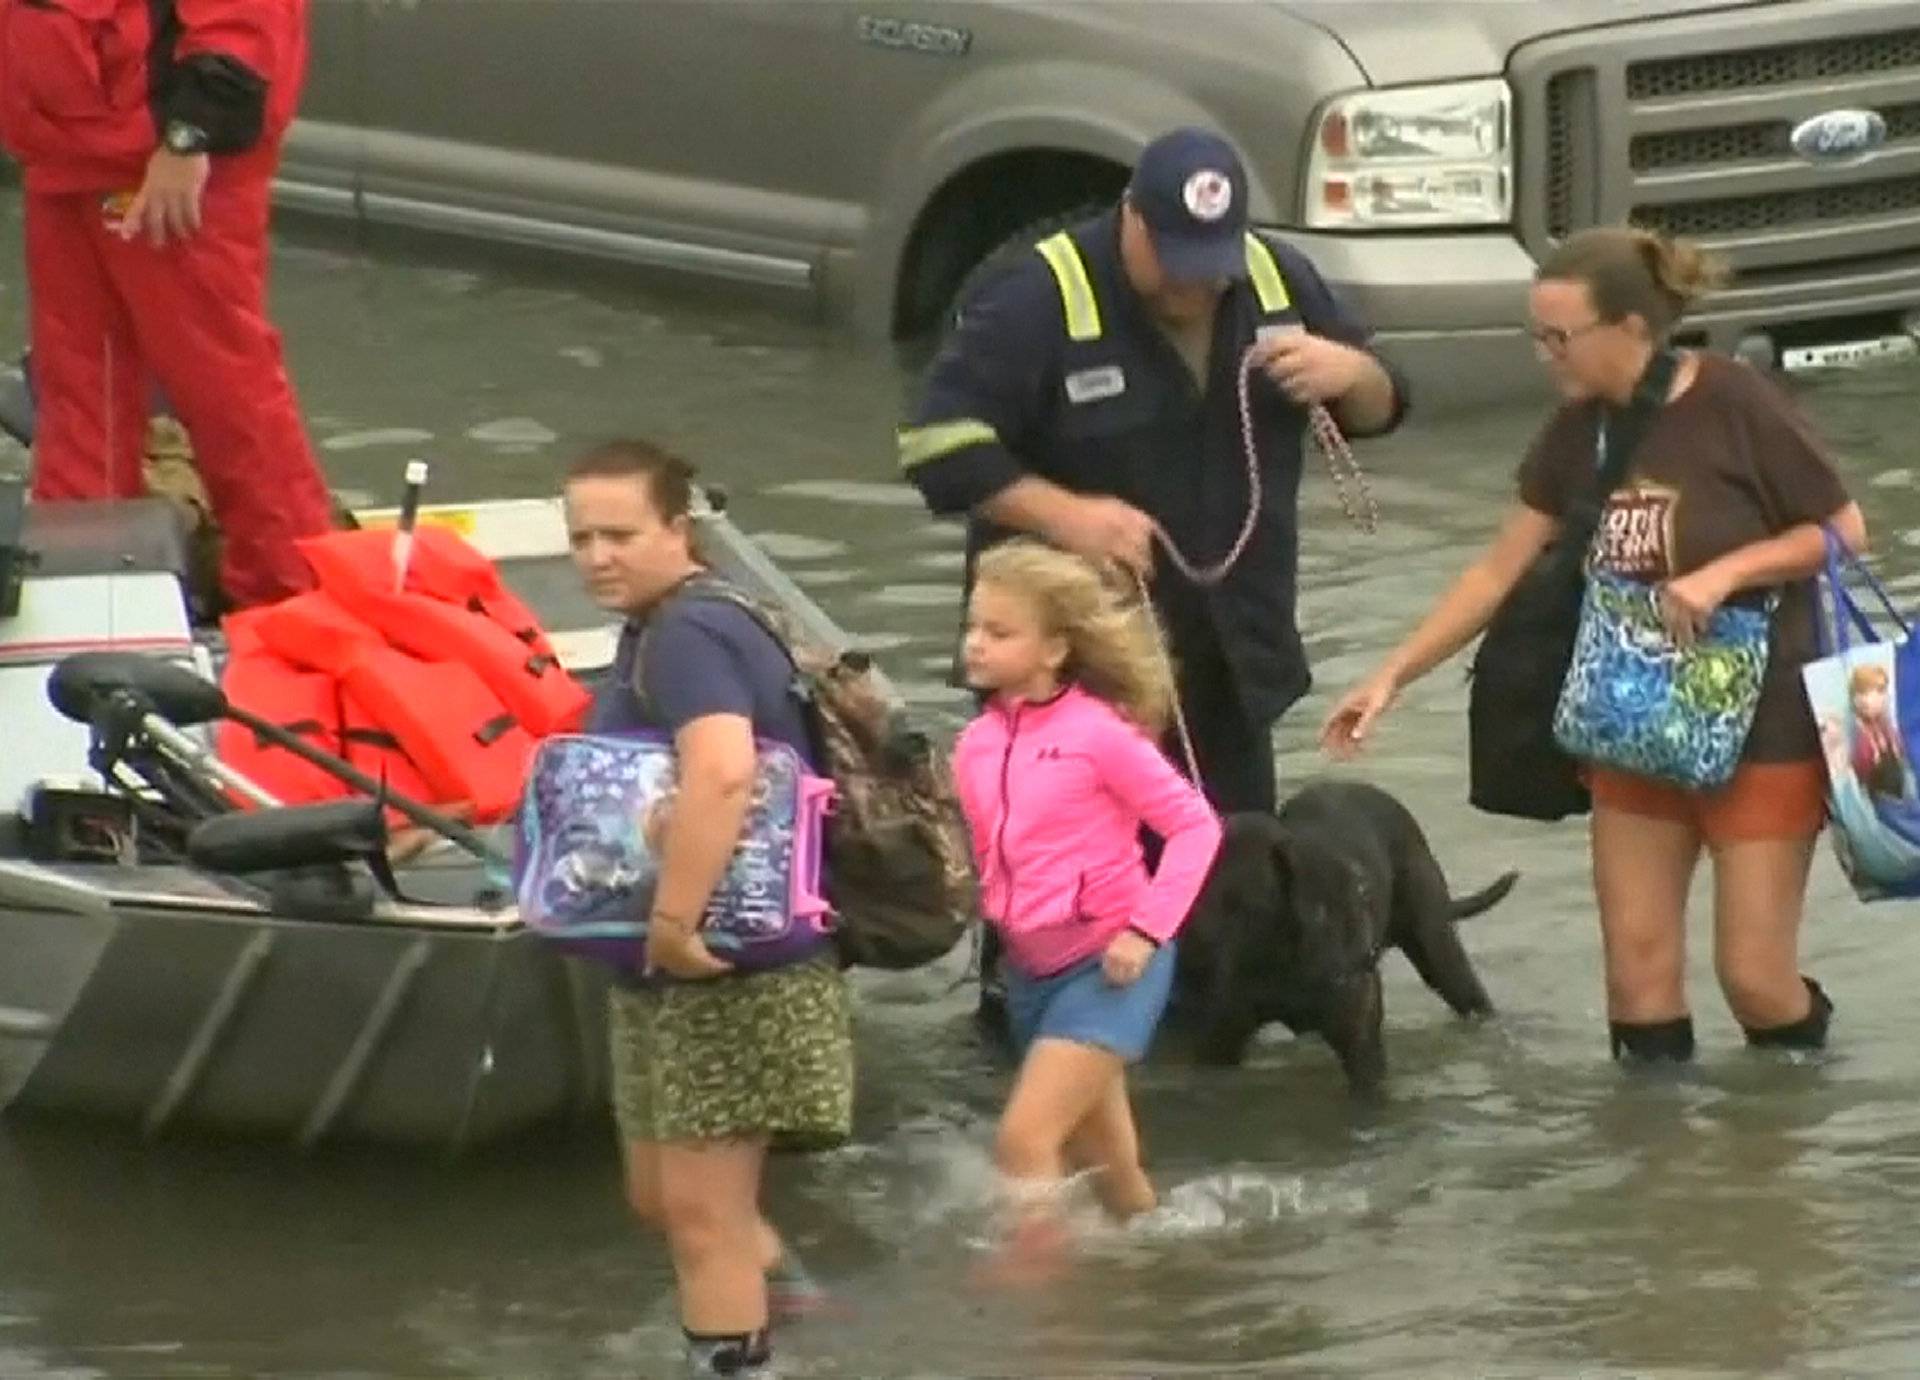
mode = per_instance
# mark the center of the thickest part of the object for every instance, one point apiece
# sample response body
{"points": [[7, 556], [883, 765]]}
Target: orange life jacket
{"points": [[311, 635], [303, 702], [454, 609], [449, 724], [431, 730], [431, 727], [378, 753]]}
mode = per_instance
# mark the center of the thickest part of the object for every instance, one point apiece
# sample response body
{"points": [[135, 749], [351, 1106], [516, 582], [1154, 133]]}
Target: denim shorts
{"points": [[1079, 1004]]}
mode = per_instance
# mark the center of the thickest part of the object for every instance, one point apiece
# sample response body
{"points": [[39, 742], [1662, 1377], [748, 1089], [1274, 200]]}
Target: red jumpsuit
{"points": [[85, 86]]}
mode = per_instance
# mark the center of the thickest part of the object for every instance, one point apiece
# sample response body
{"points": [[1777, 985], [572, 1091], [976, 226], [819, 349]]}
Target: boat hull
{"points": [[224, 1018]]}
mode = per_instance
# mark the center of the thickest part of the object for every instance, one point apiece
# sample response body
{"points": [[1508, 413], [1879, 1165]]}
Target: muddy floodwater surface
{"points": [[1519, 1207]]}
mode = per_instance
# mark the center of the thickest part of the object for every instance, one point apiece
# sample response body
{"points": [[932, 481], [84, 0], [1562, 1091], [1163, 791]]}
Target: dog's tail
{"points": [[1464, 907]]}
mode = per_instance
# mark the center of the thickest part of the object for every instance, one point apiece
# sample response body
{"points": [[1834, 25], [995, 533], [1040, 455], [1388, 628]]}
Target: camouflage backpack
{"points": [[899, 870]]}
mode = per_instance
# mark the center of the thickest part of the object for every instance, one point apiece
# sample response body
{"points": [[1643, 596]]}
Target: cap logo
{"points": [[1208, 194]]}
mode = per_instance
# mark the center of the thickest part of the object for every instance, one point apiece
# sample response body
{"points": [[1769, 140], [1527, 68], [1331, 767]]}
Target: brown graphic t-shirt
{"points": [[1728, 463]]}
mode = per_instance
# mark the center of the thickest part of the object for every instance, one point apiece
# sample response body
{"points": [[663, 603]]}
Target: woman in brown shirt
{"points": [[1725, 493]]}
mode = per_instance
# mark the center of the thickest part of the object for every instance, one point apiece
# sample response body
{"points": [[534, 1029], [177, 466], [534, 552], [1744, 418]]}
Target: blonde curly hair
{"points": [[1114, 649]]}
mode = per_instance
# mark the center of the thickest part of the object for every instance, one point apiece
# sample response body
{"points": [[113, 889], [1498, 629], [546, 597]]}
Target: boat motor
{"points": [[134, 701]]}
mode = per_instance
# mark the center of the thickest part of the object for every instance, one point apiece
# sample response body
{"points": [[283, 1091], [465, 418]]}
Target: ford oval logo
{"points": [[1837, 135]]}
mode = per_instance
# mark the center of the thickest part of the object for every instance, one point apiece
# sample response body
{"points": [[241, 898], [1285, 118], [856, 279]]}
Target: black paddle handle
{"points": [[420, 814]]}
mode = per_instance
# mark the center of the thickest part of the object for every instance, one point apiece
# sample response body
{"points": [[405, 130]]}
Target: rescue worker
{"points": [[1088, 393], [148, 133]]}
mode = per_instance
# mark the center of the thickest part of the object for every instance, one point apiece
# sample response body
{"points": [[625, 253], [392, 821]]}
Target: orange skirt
{"points": [[1765, 800]]}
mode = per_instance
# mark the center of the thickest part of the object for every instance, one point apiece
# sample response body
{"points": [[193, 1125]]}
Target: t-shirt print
{"points": [[1635, 535]]}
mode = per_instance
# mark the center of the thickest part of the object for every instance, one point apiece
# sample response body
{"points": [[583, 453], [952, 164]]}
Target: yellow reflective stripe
{"points": [[919, 444], [1268, 285], [1076, 292]]}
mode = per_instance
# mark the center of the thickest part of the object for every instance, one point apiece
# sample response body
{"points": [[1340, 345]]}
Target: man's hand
{"points": [[680, 953], [1102, 528], [167, 206], [1311, 368]]}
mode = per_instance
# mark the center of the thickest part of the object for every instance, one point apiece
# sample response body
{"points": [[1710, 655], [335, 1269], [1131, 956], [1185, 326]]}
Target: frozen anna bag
{"points": [[1864, 690], [587, 855]]}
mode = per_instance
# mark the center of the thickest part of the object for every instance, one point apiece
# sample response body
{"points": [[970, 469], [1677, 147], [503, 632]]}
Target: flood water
{"points": [[1520, 1207]]}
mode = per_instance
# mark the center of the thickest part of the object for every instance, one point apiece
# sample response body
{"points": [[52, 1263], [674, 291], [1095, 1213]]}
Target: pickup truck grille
{"points": [[1738, 215], [1748, 143], [1663, 125], [1786, 64]]}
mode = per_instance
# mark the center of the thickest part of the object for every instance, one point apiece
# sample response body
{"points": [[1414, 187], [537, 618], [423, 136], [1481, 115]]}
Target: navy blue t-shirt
{"points": [[703, 656]]}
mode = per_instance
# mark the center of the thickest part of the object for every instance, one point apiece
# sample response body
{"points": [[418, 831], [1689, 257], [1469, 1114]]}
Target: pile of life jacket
{"points": [[440, 689]]}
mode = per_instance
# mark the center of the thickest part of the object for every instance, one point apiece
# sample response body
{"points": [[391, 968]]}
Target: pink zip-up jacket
{"points": [[1055, 794]]}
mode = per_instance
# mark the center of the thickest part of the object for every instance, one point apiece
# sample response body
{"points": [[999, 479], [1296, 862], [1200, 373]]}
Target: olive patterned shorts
{"points": [[767, 1054]]}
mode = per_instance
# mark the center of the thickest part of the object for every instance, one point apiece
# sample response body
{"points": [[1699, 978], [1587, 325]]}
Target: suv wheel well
{"points": [[975, 212]]}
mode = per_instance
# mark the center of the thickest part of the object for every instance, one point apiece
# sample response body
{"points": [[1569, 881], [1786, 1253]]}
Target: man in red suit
{"points": [[148, 132]]}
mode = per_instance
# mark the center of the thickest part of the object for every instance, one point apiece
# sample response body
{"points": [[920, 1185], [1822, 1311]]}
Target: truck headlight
{"points": [[1412, 156]]}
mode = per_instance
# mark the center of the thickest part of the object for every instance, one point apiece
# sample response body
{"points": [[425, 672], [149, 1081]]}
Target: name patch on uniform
{"points": [[1091, 385]]}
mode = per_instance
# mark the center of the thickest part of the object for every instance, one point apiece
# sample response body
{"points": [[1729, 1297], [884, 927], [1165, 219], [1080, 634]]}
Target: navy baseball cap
{"points": [[1191, 190]]}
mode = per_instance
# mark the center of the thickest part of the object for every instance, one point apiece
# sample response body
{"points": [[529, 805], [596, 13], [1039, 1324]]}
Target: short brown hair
{"points": [[1634, 272], [668, 477]]}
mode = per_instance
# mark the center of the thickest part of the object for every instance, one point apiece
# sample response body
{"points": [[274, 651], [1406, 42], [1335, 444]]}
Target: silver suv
{"points": [[865, 154]]}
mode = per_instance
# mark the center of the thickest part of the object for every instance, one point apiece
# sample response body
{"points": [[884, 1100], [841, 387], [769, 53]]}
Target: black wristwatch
{"points": [[184, 139]]}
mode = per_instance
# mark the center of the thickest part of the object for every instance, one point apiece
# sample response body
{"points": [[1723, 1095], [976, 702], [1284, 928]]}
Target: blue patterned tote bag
{"points": [[1636, 701], [587, 854], [1865, 697]]}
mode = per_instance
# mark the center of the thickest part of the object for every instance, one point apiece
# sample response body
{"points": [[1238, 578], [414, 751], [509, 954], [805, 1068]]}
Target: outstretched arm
{"points": [[1461, 614]]}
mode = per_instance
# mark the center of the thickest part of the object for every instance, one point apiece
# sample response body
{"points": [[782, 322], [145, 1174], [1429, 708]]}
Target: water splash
{"points": [[1236, 1201]]}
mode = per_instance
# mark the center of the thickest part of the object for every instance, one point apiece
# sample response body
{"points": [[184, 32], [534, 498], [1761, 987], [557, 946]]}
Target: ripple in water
{"points": [[515, 432], [912, 596], [821, 577], [379, 436], [864, 493], [792, 546]]}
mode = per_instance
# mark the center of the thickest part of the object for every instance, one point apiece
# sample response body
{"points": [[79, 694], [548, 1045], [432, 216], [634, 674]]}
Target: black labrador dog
{"points": [[1296, 914]]}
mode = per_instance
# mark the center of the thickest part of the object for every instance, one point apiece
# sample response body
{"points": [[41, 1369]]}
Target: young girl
{"points": [[1057, 776]]}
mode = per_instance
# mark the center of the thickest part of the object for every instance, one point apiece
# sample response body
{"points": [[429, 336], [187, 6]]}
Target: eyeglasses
{"points": [[1555, 339]]}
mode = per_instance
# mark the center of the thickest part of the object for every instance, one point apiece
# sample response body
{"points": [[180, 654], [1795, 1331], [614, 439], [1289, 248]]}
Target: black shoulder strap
{"points": [[1619, 435], [705, 584]]}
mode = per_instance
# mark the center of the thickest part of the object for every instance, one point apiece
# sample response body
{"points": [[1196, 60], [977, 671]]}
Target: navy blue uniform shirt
{"points": [[1011, 394]]}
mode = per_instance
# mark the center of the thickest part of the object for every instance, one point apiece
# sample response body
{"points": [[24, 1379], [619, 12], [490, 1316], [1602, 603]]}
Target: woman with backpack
{"points": [[712, 1067], [1722, 505]]}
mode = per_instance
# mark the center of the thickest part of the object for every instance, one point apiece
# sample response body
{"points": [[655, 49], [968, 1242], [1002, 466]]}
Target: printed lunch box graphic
{"points": [[596, 815]]}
